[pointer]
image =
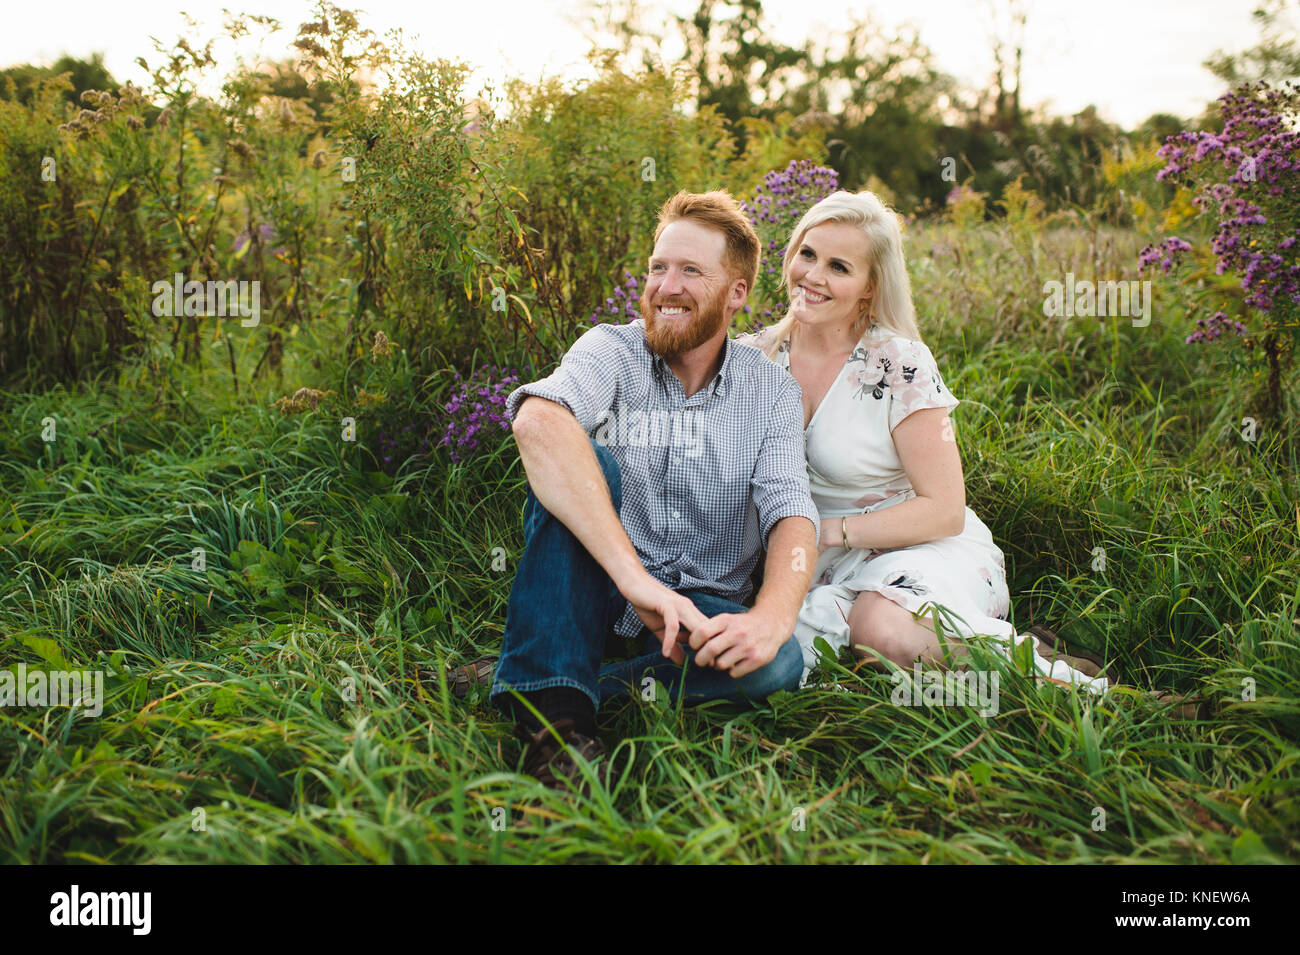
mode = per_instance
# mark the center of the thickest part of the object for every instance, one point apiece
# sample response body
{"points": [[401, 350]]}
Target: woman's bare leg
{"points": [[877, 623]]}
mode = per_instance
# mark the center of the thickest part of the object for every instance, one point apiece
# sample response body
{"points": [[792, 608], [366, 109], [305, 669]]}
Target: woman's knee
{"points": [[877, 623]]}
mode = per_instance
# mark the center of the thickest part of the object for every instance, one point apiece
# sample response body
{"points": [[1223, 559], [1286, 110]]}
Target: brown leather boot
{"points": [[551, 757]]}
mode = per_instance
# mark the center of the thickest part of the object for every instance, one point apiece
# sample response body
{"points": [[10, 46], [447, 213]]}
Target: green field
{"points": [[254, 531], [228, 690]]}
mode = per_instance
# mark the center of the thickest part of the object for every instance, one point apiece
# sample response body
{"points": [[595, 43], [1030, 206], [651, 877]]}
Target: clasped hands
{"points": [[736, 643]]}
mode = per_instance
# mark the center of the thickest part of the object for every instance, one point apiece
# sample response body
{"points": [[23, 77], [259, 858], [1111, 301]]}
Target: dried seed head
{"points": [[310, 46], [383, 347], [304, 399]]}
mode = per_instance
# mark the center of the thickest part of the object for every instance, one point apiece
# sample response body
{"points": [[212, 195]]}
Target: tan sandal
{"points": [[462, 678], [1185, 705], [1056, 649]]}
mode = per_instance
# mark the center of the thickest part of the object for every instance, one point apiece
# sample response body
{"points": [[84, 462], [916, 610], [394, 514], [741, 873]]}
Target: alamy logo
{"points": [[946, 688], [633, 427], [55, 688], [102, 908], [179, 297], [1087, 299]]}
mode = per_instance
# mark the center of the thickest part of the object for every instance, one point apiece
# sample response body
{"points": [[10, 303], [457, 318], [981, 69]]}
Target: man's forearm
{"points": [[566, 478], [787, 573]]}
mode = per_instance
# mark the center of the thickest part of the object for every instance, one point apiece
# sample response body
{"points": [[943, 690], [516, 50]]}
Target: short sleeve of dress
{"points": [[914, 380]]}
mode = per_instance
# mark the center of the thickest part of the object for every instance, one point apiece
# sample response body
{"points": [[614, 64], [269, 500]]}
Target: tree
{"points": [[1277, 55], [84, 74], [882, 93]]}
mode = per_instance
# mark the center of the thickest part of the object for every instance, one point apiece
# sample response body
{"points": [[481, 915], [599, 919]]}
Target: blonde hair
{"points": [[891, 296]]}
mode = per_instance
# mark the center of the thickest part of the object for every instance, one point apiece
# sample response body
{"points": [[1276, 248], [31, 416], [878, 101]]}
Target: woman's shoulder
{"points": [[909, 374], [899, 352], [758, 339]]}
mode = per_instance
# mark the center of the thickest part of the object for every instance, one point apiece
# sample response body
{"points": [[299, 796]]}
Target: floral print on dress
{"points": [[872, 498], [905, 371], [868, 374], [904, 580], [901, 370], [998, 603]]}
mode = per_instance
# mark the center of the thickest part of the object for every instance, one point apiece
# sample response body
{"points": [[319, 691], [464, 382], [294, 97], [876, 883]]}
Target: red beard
{"points": [[670, 340]]}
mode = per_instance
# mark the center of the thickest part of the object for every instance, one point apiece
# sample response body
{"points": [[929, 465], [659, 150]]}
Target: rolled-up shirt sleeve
{"points": [[780, 482], [586, 382]]}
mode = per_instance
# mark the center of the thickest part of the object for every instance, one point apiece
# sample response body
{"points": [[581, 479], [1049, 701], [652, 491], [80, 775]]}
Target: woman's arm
{"points": [[929, 455]]}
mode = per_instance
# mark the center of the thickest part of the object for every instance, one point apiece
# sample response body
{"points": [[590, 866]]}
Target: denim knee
{"points": [[609, 468], [783, 673]]}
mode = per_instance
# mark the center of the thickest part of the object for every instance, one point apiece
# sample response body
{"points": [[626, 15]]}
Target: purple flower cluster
{"points": [[1257, 203], [626, 301], [1208, 329], [957, 193], [778, 205], [785, 196], [1167, 253], [477, 409], [264, 234]]}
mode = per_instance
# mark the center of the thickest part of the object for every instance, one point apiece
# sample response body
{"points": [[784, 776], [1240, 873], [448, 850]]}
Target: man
{"points": [[654, 525]]}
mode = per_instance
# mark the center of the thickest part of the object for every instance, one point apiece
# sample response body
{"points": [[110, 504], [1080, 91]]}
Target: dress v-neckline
{"points": [[822, 404], [835, 381]]}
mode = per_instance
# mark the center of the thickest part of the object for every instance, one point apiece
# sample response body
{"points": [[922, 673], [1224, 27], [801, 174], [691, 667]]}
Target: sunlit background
{"points": [[1129, 58]]}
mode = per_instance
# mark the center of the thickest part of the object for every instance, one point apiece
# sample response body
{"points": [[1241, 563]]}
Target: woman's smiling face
{"points": [[828, 277]]}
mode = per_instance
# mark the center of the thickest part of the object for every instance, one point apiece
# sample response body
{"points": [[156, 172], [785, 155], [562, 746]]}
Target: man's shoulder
{"points": [[628, 338], [752, 366]]}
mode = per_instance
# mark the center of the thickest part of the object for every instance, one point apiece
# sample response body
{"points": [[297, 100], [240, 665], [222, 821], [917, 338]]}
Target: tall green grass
{"points": [[262, 710]]}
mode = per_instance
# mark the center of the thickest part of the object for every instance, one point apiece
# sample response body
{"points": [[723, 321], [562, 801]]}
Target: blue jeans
{"points": [[563, 606]]}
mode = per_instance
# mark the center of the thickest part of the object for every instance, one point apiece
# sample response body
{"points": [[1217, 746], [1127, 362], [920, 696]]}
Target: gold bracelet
{"points": [[844, 530]]}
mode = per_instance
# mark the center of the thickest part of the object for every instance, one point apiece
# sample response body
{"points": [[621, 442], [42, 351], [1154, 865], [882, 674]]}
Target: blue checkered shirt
{"points": [[705, 478]]}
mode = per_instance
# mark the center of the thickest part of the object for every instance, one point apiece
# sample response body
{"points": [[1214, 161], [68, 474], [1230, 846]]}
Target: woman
{"points": [[883, 465]]}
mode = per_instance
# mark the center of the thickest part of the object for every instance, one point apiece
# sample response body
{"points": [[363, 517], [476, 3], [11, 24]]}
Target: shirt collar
{"points": [[722, 380], [721, 384]]}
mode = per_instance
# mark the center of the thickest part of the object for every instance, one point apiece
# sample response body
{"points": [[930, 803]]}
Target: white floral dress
{"points": [[853, 468]]}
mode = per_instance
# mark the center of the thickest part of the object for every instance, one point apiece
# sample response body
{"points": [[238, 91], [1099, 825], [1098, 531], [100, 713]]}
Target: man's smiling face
{"points": [[689, 295]]}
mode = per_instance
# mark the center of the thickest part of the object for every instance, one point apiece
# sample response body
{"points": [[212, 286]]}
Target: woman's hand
{"points": [[830, 535]]}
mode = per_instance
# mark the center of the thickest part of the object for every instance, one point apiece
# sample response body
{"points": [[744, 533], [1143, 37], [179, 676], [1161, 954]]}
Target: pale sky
{"points": [[1128, 57]]}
